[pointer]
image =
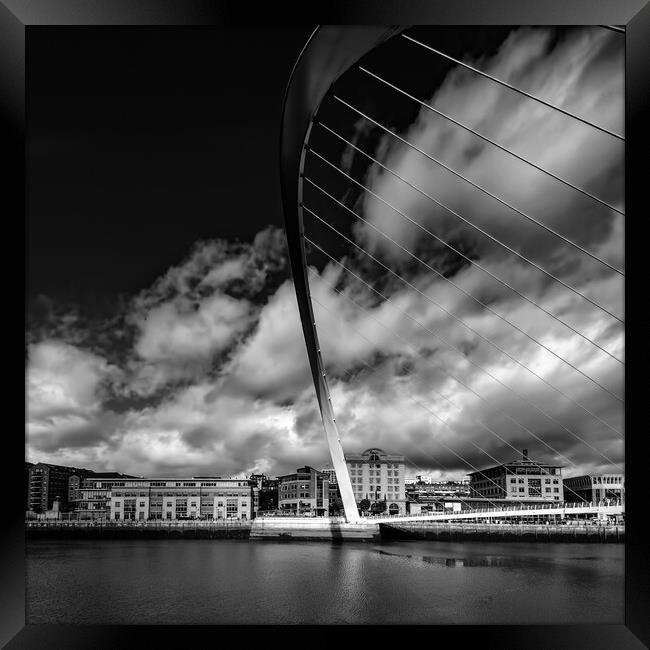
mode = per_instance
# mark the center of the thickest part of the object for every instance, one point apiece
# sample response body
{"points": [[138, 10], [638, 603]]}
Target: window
{"points": [[117, 515], [118, 504]]}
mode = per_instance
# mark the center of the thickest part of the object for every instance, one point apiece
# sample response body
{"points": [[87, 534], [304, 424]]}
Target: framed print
{"points": [[431, 202]]}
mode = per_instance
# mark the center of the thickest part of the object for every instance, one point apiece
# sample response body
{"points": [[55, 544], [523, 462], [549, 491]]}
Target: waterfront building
{"points": [[90, 496], [47, 482], [519, 480], [170, 499], [595, 487], [28, 466], [305, 491], [378, 476]]}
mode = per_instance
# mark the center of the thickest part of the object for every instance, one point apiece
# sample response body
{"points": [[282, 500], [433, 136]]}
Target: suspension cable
{"points": [[512, 419], [366, 311], [470, 260], [489, 309], [460, 352], [492, 142], [418, 468], [482, 189], [456, 318], [440, 367], [517, 90], [564, 284], [426, 408]]}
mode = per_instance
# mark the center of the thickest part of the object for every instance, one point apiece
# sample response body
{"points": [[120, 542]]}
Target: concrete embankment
{"points": [[148, 530], [326, 529], [430, 530], [312, 528]]}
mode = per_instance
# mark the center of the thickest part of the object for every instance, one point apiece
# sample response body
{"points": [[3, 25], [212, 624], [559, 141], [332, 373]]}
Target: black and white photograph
{"points": [[325, 325]]}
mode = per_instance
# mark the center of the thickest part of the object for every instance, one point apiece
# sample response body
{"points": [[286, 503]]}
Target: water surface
{"points": [[152, 582]]}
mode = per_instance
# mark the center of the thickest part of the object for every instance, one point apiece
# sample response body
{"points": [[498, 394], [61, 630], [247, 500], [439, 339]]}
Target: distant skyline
{"points": [[164, 336]]}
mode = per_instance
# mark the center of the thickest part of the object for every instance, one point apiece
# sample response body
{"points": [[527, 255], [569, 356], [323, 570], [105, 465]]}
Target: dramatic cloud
{"points": [[66, 388], [206, 370], [465, 325]]}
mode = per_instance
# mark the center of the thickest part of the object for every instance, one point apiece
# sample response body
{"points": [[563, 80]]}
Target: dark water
{"points": [[224, 581]]}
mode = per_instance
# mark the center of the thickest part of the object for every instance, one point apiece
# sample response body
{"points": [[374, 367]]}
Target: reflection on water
{"points": [[232, 581]]}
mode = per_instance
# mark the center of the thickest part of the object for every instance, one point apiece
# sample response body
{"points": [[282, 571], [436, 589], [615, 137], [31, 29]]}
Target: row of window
{"points": [[534, 491], [206, 494], [608, 480], [182, 505], [168, 515], [377, 465], [178, 484], [373, 472]]}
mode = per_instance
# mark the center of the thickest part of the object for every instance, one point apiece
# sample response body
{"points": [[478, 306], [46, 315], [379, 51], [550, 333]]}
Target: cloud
{"points": [[66, 388], [212, 375], [194, 315], [273, 362], [448, 327]]}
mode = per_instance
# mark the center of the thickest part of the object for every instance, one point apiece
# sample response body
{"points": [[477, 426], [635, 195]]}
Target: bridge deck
{"points": [[543, 510]]}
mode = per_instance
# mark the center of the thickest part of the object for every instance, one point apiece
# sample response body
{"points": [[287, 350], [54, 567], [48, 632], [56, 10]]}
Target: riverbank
{"points": [[137, 530], [322, 529], [439, 531]]}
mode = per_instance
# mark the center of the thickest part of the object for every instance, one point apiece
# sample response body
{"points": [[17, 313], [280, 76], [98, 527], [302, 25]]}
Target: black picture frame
{"points": [[17, 17]]}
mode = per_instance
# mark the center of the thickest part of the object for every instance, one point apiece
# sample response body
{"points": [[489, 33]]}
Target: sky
{"points": [[163, 332]]}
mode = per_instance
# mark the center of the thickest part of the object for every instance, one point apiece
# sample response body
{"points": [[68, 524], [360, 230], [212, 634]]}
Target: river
{"points": [[242, 582]]}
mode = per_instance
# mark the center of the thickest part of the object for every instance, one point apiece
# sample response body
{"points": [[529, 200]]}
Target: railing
{"points": [[154, 523], [519, 507]]}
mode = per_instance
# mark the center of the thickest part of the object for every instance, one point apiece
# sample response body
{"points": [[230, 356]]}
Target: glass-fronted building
{"points": [[595, 488]]}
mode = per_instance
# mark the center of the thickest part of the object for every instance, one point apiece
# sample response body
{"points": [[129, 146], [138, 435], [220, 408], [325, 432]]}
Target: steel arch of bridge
{"points": [[329, 52]]}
